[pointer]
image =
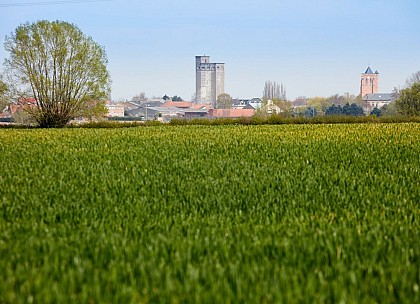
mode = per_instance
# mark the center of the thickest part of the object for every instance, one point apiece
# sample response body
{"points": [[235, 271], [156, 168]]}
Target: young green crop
{"points": [[277, 214]]}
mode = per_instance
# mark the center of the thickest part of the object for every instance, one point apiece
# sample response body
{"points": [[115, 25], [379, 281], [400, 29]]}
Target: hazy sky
{"points": [[313, 47]]}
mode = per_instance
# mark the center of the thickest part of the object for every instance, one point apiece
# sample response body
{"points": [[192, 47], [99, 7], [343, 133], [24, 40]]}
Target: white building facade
{"points": [[115, 110], [210, 80]]}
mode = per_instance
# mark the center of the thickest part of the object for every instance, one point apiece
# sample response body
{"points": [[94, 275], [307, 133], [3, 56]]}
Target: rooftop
{"points": [[369, 71], [379, 97]]}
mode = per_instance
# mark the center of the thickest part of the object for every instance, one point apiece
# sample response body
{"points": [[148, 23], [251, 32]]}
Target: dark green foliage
{"points": [[376, 112], [310, 112], [353, 110], [389, 109], [223, 214], [177, 98], [334, 110], [349, 110]]}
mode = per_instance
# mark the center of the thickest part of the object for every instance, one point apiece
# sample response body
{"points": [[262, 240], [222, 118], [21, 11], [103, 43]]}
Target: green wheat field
{"points": [[211, 214]]}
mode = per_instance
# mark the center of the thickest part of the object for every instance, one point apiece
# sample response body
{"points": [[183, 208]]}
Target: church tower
{"points": [[369, 83]]}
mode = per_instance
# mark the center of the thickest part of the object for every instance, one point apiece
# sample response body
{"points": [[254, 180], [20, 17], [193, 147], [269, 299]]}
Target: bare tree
{"points": [[336, 99], [395, 93], [414, 78], [274, 90], [141, 97], [300, 101]]}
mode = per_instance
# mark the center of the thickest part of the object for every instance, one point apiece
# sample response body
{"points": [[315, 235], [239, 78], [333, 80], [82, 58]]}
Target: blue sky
{"points": [[313, 47]]}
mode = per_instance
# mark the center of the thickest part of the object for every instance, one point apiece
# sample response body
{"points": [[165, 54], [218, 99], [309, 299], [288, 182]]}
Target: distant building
{"points": [[157, 102], [129, 105], [377, 100], [231, 113], [178, 104], [115, 109], [369, 91], [369, 83], [164, 114], [22, 103], [253, 103], [210, 80], [195, 113], [271, 108], [239, 103]]}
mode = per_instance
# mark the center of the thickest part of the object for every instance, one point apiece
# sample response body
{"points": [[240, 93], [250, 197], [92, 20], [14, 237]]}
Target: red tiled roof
{"points": [[177, 104], [27, 100], [200, 107]]}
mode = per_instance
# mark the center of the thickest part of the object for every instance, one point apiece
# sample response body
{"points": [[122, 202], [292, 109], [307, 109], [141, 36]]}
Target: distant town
{"points": [[211, 101]]}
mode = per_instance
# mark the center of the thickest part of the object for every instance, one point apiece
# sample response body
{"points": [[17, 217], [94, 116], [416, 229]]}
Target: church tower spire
{"points": [[369, 83]]}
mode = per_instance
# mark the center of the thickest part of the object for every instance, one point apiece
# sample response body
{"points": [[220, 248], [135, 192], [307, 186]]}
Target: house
{"points": [[239, 103], [272, 108], [115, 109], [256, 103], [200, 107], [164, 114], [156, 102], [129, 105], [377, 100], [22, 103], [177, 104], [195, 113]]}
